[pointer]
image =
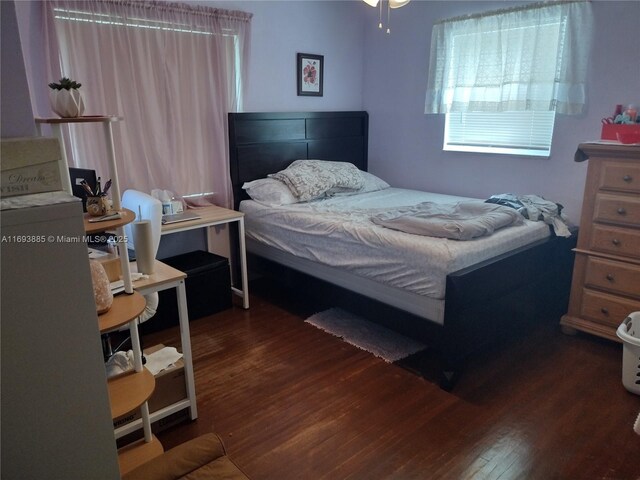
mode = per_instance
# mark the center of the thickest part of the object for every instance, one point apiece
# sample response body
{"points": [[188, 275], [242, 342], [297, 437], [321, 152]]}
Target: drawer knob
{"points": [[615, 241], [610, 277], [627, 178], [604, 310], [621, 211]]}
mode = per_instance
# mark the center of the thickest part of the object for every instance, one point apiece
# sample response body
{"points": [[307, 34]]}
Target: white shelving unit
{"points": [[130, 390]]}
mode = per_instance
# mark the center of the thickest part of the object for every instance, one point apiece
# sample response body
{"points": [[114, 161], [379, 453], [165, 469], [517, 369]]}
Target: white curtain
{"points": [[528, 58], [172, 71]]}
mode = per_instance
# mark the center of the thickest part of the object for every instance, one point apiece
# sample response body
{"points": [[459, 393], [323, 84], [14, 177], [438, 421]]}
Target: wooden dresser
{"points": [[606, 275]]}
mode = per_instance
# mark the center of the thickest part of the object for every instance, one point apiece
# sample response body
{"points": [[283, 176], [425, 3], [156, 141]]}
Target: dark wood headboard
{"points": [[263, 143]]}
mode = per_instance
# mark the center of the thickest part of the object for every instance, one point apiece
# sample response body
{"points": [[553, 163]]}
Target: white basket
{"points": [[629, 333]]}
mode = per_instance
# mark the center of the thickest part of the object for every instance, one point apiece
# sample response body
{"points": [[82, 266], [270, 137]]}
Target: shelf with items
{"points": [[125, 309], [126, 216], [106, 120], [131, 390]]}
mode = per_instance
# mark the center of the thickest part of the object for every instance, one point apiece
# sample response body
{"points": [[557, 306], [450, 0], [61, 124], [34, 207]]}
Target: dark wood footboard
{"points": [[491, 300]]}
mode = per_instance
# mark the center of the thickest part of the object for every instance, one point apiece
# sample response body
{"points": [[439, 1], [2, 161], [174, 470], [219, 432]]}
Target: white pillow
{"points": [[371, 183], [270, 192]]}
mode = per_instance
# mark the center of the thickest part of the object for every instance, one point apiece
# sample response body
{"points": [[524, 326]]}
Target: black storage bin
{"points": [[208, 286]]}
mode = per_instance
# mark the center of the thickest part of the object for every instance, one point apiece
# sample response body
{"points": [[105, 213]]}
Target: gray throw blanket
{"points": [[458, 221]]}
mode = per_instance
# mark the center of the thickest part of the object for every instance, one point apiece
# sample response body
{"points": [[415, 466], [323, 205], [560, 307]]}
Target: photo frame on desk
{"points": [[76, 176], [310, 74]]}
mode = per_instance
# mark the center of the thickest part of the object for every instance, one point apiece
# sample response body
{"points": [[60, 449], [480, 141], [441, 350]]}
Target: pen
{"points": [[98, 188], [86, 188]]}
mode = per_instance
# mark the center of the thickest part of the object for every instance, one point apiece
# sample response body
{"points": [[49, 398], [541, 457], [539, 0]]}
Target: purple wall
{"points": [[279, 30], [282, 29], [405, 145], [17, 119], [386, 75]]}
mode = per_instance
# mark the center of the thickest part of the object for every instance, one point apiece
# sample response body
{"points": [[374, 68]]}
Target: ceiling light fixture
{"points": [[390, 4]]}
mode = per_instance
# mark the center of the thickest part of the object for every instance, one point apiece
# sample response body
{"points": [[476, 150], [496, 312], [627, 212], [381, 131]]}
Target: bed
{"points": [[465, 297]]}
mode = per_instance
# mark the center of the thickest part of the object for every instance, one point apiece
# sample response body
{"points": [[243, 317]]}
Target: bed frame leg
{"points": [[448, 380], [450, 371]]}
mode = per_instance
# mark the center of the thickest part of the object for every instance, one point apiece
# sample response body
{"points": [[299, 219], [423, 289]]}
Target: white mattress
{"points": [[337, 232]]}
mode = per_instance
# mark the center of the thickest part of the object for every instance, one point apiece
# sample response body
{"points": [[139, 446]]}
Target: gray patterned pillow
{"points": [[309, 179]]}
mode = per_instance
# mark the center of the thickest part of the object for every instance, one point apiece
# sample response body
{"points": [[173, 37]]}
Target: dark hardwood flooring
{"points": [[292, 402]]}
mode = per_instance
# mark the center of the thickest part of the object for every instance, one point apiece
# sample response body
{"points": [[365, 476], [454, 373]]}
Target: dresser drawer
{"points": [[605, 308], [618, 209], [619, 241], [615, 277], [621, 176]]}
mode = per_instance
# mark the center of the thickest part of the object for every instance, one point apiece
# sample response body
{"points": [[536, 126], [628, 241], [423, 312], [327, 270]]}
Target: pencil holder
{"points": [[98, 205]]}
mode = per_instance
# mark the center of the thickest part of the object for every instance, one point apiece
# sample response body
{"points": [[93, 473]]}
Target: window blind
{"points": [[523, 133]]}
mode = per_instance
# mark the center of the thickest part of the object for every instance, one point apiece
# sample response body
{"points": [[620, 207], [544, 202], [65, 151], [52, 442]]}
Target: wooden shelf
{"points": [[83, 119], [137, 453], [124, 309], [127, 217], [130, 390]]}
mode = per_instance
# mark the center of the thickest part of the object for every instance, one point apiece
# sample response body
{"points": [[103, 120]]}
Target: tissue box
{"points": [[30, 165], [610, 131], [170, 388]]}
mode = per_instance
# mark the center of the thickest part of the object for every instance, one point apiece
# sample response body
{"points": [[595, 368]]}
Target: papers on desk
{"points": [[117, 286], [179, 217]]}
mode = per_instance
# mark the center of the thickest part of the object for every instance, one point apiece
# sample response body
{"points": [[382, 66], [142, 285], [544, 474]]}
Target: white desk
{"points": [[209, 217], [163, 278]]}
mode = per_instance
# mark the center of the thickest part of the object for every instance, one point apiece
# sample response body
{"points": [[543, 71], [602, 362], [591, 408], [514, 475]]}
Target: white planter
{"points": [[66, 103]]}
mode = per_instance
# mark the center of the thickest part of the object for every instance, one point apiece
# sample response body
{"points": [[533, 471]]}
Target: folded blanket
{"points": [[458, 221]]}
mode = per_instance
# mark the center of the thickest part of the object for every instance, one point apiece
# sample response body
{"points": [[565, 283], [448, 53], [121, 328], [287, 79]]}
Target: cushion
{"points": [[371, 183], [202, 457], [270, 192], [309, 179]]}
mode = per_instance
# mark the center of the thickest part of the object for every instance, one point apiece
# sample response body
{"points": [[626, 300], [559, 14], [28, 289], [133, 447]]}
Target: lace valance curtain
{"points": [[172, 71], [527, 58]]}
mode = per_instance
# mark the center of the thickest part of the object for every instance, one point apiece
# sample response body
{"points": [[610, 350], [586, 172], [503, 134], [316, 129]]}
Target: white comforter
{"points": [[338, 232]]}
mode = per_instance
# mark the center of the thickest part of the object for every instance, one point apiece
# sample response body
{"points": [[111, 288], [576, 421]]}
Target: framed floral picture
{"points": [[310, 74]]}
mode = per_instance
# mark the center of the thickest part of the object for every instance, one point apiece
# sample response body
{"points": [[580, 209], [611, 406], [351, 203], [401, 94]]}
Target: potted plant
{"points": [[65, 98]]}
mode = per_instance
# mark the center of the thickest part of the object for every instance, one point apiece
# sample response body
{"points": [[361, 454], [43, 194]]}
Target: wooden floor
{"points": [[292, 402]]}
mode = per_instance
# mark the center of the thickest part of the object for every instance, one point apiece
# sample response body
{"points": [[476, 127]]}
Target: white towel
{"points": [[163, 358]]}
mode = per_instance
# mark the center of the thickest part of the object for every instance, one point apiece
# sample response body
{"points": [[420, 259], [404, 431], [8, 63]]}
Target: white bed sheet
{"points": [[337, 232]]}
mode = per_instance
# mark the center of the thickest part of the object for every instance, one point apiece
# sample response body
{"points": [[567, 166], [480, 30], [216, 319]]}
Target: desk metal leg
{"points": [[243, 264], [183, 316]]}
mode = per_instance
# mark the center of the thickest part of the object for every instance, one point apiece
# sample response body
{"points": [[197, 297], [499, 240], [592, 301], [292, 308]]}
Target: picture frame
{"points": [[310, 74]]}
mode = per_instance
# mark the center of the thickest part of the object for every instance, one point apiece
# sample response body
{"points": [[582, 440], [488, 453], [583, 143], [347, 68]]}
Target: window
{"points": [[501, 77], [172, 71]]}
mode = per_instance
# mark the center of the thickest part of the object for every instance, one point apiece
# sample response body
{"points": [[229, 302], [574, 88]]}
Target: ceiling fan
{"points": [[390, 4]]}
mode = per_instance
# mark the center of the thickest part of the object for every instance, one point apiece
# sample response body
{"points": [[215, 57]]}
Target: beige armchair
{"points": [[203, 457]]}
